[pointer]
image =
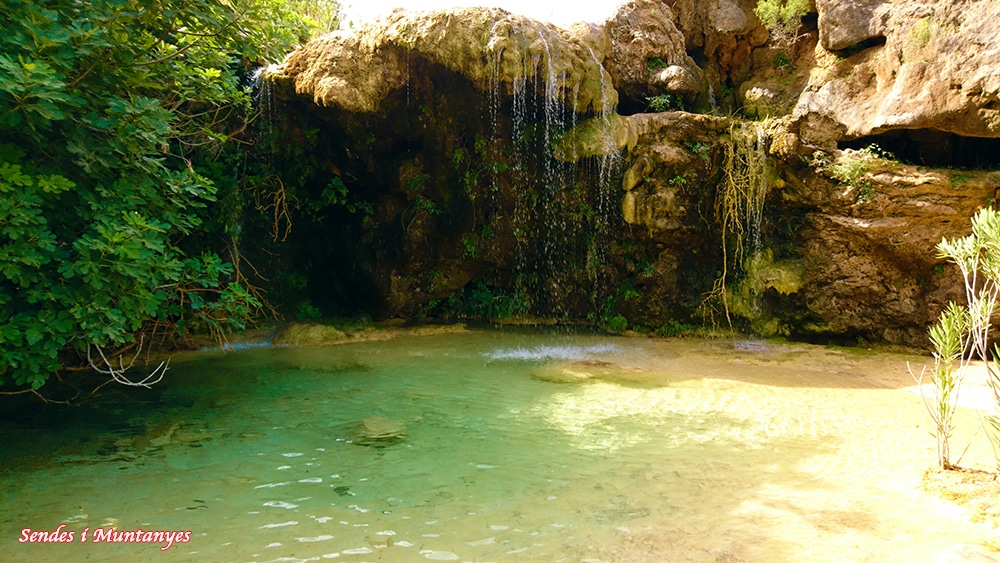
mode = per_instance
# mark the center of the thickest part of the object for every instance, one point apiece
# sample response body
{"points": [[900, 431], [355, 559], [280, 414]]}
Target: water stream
{"points": [[683, 450]]}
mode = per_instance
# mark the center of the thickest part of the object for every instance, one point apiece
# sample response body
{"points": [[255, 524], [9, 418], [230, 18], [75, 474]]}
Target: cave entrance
{"points": [[930, 147]]}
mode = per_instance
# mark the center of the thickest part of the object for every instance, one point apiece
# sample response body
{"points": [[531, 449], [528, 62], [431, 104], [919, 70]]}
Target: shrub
{"points": [[112, 115], [782, 18], [618, 323]]}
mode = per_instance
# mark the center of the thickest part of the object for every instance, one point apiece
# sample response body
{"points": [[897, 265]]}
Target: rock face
{"points": [[498, 183], [925, 66]]}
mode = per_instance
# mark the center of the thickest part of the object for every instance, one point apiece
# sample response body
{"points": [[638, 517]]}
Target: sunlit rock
{"points": [[938, 68], [846, 23], [492, 48], [645, 40]]}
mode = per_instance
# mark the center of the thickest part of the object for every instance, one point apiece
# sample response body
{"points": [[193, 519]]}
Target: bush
{"points": [[111, 115], [782, 18], [618, 323]]}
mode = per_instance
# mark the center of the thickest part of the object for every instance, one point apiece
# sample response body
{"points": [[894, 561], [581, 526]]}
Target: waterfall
{"points": [[560, 210], [262, 92]]}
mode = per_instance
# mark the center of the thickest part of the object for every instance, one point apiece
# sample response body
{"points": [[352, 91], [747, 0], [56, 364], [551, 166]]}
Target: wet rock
{"points": [[309, 334]]}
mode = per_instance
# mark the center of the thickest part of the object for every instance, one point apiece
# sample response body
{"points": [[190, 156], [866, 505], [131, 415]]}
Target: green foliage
{"points": [[108, 110], [656, 64], [853, 167], [322, 16], [674, 327], [782, 61], [487, 303], [921, 32], [335, 194], [426, 205], [963, 332], [607, 318], [416, 183], [665, 102], [308, 311], [617, 323], [469, 242], [699, 148], [773, 13], [866, 193], [782, 18]]}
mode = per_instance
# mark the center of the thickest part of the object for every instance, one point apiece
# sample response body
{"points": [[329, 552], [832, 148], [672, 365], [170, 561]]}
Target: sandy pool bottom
{"points": [[643, 450]]}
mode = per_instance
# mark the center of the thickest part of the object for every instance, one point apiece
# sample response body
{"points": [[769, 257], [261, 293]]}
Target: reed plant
{"points": [[962, 333], [949, 337]]}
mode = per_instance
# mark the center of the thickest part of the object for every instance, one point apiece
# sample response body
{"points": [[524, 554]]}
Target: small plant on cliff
{"points": [[471, 249], [617, 323], [782, 62], [852, 169], [655, 64], [699, 148], [665, 102], [782, 19]]}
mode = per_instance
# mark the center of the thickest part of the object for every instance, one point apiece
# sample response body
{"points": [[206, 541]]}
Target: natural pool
{"points": [[679, 450]]}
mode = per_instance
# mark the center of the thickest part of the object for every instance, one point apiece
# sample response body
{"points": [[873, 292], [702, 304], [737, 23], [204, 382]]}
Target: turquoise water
{"points": [[674, 451]]}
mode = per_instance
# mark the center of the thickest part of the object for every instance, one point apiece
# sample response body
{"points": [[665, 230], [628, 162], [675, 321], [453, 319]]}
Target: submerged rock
{"points": [[578, 371], [377, 430]]}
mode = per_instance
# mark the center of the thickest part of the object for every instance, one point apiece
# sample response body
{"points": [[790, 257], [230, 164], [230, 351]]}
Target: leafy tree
{"points": [[111, 112]]}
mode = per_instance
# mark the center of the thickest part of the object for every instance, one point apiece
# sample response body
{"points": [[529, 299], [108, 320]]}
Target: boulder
{"points": [[845, 23], [309, 334], [644, 43]]}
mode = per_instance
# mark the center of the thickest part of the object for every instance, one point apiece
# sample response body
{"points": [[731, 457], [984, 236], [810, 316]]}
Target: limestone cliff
{"points": [[503, 183]]}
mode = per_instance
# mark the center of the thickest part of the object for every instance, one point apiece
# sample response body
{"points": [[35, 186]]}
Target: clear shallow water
{"points": [[681, 451]]}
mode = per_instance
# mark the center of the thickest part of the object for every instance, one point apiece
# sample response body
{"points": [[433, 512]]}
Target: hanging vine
{"points": [[739, 205]]}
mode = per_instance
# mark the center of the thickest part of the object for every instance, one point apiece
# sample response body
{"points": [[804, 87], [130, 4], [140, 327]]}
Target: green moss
{"points": [[595, 137], [763, 273]]}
